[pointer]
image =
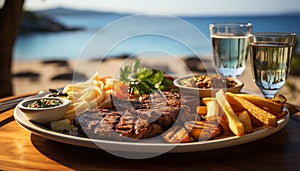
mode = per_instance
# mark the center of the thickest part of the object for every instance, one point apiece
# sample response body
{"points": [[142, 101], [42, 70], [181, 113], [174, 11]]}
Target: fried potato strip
{"points": [[201, 110], [234, 123], [269, 105], [212, 108], [246, 120], [262, 115]]}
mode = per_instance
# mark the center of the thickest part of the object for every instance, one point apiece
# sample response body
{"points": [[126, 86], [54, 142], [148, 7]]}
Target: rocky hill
{"points": [[37, 22]]}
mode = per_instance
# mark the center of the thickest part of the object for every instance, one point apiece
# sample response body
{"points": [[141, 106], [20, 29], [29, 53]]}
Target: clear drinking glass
{"points": [[230, 43], [271, 56]]}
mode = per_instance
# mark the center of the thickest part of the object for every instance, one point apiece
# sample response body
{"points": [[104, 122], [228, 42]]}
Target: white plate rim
{"points": [[23, 121]]}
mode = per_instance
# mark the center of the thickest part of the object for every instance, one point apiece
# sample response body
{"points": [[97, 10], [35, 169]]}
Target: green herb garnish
{"points": [[143, 80], [55, 93], [44, 103]]}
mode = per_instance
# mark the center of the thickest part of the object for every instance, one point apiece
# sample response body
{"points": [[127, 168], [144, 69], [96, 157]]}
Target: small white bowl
{"points": [[44, 115], [206, 92]]}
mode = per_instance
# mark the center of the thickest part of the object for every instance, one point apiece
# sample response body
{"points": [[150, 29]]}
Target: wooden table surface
{"points": [[22, 150]]}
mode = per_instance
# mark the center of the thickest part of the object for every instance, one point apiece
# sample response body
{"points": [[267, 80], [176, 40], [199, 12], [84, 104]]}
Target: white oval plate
{"points": [[147, 147]]}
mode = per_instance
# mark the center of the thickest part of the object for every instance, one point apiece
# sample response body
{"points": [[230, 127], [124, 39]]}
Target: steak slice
{"points": [[107, 126], [145, 130], [87, 121], [168, 116], [126, 124]]}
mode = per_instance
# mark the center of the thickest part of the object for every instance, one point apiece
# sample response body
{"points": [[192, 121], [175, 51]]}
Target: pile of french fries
{"points": [[240, 113]]}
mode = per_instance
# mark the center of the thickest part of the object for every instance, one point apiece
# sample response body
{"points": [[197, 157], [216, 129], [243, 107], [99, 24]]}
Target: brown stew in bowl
{"points": [[206, 82]]}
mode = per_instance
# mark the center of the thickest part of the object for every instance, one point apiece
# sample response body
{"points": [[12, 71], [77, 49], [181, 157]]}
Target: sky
{"points": [[174, 7]]}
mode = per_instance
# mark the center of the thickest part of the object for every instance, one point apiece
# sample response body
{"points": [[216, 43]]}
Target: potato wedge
{"points": [[262, 115], [201, 110], [212, 108], [235, 125], [224, 124], [280, 99], [236, 108], [255, 122], [246, 120], [261, 102], [207, 99], [283, 113]]}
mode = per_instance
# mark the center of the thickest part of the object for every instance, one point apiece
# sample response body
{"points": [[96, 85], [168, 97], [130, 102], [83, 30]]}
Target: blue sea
{"points": [[109, 35]]}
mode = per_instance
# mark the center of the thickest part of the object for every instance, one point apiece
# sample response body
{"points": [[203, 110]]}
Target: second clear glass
{"points": [[271, 56]]}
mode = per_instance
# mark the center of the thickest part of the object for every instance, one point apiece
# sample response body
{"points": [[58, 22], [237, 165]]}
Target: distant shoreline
{"points": [[71, 11], [35, 23], [69, 44]]}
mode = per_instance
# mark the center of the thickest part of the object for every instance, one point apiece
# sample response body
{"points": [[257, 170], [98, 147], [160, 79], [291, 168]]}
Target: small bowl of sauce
{"points": [[44, 109]]}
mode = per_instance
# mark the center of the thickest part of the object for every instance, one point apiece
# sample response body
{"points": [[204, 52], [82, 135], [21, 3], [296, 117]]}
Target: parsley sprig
{"points": [[143, 80]]}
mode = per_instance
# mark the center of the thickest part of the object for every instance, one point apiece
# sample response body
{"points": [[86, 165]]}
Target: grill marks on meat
{"points": [[137, 118], [126, 124], [145, 130], [99, 124], [168, 116], [107, 126], [117, 125]]}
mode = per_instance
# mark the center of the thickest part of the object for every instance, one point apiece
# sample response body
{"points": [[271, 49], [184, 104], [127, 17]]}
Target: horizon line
{"points": [[180, 15]]}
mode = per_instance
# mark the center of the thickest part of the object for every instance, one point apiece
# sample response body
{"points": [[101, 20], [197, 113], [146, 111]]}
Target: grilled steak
{"points": [[139, 117]]}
